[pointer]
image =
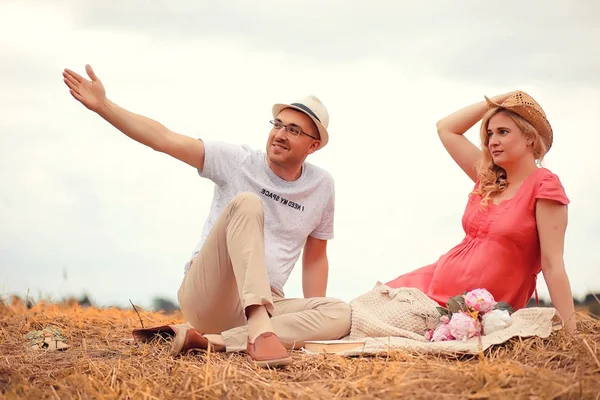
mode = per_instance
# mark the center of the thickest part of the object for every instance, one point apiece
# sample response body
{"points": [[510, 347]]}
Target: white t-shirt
{"points": [[292, 210]]}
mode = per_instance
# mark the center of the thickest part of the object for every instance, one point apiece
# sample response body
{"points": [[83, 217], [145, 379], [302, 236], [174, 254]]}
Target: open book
{"points": [[332, 346]]}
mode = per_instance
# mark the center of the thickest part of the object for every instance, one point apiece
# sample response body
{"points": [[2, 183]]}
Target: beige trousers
{"points": [[228, 275]]}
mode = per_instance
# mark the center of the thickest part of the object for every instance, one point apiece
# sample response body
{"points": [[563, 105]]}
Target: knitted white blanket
{"points": [[395, 319]]}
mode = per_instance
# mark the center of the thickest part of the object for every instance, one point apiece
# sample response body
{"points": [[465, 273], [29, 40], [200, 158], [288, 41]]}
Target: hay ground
{"points": [[100, 365]]}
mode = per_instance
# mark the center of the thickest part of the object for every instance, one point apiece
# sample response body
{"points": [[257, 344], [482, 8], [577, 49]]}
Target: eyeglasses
{"points": [[291, 129]]}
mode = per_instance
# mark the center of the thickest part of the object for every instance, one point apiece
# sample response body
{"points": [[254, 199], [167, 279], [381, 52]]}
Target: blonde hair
{"points": [[492, 178]]}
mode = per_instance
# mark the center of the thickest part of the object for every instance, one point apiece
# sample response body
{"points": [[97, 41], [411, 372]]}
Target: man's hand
{"points": [[141, 129], [89, 93]]}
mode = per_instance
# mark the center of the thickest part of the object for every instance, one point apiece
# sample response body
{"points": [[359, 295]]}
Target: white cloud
{"points": [[122, 219]]}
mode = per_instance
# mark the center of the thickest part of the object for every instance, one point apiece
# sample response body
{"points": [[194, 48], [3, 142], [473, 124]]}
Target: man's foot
{"points": [[187, 340], [268, 352], [259, 321]]}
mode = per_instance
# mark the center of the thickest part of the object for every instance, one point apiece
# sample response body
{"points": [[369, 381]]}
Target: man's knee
{"points": [[247, 202], [339, 314]]}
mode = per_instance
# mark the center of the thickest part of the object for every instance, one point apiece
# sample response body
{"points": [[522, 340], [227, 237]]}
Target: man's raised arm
{"points": [[91, 94]]}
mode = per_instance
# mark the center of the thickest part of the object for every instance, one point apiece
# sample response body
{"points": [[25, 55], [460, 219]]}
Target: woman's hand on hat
{"points": [[90, 93], [502, 97]]}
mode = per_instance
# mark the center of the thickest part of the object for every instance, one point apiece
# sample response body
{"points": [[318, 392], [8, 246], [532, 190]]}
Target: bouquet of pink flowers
{"points": [[474, 313]]}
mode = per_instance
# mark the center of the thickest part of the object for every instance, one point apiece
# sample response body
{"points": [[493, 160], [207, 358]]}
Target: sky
{"points": [[83, 208]]}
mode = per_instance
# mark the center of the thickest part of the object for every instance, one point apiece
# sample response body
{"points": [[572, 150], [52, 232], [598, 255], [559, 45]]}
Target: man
{"points": [[266, 209]]}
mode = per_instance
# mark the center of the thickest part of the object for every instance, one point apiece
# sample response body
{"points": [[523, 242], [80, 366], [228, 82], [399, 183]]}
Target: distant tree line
{"points": [[591, 303]]}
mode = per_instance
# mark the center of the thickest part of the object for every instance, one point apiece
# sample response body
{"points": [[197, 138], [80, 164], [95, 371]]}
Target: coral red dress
{"points": [[500, 251]]}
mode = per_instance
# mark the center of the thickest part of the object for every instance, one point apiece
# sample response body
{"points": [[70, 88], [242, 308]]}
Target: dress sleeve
{"points": [[550, 188]]}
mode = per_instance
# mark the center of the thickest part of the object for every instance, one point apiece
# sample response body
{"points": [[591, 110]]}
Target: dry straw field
{"points": [[101, 365]]}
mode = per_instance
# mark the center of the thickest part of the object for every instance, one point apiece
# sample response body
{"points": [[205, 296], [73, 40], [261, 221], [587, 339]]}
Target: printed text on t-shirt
{"points": [[281, 200]]}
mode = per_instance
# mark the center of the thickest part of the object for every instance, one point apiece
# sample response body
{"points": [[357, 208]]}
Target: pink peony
{"points": [[442, 333], [463, 326], [429, 334], [480, 300], [444, 319]]}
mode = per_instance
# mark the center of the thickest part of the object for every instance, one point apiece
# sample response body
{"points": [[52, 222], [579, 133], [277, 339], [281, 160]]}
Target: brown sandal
{"points": [[268, 352]]}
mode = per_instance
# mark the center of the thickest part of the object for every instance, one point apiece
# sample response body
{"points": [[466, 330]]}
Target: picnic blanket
{"points": [[389, 319]]}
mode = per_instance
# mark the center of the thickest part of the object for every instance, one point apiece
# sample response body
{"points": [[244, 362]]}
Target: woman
{"points": [[516, 216]]}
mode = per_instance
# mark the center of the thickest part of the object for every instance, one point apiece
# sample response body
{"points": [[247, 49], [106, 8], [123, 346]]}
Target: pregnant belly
{"points": [[473, 266]]}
